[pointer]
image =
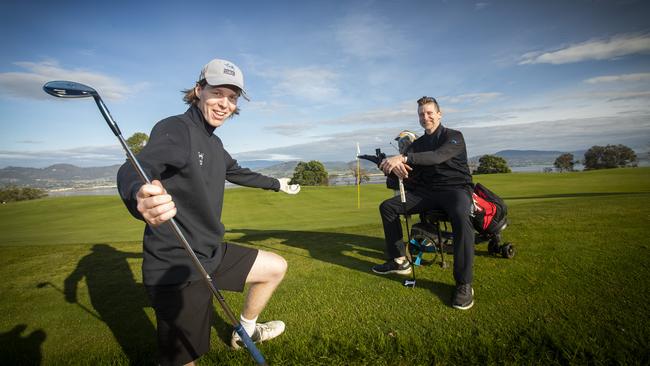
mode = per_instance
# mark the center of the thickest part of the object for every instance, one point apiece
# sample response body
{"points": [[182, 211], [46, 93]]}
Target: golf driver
{"points": [[402, 195], [70, 89]]}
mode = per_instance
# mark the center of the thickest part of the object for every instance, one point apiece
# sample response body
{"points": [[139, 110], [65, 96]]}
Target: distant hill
{"points": [[257, 164], [286, 169], [69, 176], [517, 158], [59, 176]]}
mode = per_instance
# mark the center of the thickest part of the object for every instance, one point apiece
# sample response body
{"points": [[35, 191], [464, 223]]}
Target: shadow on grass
{"points": [[570, 195], [117, 300], [16, 349], [347, 250]]}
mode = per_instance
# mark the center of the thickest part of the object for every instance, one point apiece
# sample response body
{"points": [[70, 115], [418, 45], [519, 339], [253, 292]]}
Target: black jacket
{"points": [[439, 161], [192, 165]]}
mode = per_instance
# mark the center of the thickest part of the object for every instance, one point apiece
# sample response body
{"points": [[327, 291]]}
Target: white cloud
{"points": [[368, 37], [480, 6], [266, 106], [597, 49], [313, 83], [290, 129], [80, 156], [398, 114], [29, 84], [261, 156], [565, 135], [629, 95], [644, 76], [471, 98]]}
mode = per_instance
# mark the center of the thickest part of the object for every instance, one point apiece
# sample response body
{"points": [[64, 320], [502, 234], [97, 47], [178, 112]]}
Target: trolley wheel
{"points": [[508, 250], [493, 247]]}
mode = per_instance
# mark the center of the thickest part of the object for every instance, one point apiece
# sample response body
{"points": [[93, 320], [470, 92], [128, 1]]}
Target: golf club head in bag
{"points": [[404, 140], [71, 89]]}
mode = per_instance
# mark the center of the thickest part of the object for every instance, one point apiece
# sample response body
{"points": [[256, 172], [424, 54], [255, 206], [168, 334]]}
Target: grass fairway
{"points": [[575, 293]]}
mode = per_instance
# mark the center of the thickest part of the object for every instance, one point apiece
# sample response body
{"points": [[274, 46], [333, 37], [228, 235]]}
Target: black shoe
{"points": [[463, 297], [393, 267]]}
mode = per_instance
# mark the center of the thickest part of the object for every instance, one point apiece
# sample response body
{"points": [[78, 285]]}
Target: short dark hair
{"points": [[426, 100]]}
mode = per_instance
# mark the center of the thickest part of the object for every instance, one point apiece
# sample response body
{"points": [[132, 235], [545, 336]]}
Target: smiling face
{"points": [[429, 117], [217, 103]]}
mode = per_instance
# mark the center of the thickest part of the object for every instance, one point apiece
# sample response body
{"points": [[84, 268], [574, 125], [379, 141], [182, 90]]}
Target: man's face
{"points": [[429, 117], [217, 103]]}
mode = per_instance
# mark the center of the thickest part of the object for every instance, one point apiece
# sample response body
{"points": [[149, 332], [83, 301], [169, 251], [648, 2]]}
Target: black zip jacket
{"points": [[439, 161], [192, 165]]}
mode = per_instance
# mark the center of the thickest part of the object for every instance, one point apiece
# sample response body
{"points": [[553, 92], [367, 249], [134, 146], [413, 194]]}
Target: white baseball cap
{"points": [[222, 72]]}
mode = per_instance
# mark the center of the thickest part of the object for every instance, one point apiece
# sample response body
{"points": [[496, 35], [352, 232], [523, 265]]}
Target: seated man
{"points": [[436, 177]]}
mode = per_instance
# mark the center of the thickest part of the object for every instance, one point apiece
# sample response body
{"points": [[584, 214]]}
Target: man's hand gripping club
{"points": [[395, 164], [154, 204]]}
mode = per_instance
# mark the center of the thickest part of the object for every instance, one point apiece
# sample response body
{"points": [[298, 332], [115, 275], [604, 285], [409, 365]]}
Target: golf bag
{"points": [[489, 213]]}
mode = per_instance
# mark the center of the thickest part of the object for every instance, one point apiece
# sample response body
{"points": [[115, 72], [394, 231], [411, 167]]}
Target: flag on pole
{"points": [[358, 177]]}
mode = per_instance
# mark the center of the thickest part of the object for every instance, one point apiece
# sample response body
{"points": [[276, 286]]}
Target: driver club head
{"points": [[69, 89]]}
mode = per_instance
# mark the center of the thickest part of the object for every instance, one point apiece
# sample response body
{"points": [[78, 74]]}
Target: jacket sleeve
{"points": [[245, 177], [453, 145], [167, 149]]}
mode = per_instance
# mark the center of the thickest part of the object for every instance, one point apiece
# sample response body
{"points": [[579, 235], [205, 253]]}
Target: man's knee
{"points": [[271, 267], [386, 208]]}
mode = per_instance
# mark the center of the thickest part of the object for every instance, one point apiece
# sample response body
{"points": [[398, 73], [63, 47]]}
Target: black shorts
{"points": [[184, 311]]}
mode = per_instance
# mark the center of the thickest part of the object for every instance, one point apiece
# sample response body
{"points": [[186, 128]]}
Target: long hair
{"points": [[190, 97]]}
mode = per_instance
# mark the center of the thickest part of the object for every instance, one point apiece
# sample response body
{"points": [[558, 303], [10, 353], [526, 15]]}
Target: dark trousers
{"points": [[456, 203]]}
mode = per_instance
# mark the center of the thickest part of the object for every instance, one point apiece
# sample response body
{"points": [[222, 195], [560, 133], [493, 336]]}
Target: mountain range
{"points": [[62, 176]]}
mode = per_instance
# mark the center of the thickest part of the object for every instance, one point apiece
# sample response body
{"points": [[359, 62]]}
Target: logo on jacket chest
{"points": [[201, 155]]}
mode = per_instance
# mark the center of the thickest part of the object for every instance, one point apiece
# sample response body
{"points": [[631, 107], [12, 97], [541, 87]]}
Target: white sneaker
{"points": [[263, 332]]}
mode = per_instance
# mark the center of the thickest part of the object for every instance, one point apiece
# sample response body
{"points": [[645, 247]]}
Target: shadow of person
{"points": [[117, 298], [18, 350], [358, 252]]}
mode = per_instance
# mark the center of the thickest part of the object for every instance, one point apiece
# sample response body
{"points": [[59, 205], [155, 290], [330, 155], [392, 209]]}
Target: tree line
{"points": [[15, 193], [597, 157]]}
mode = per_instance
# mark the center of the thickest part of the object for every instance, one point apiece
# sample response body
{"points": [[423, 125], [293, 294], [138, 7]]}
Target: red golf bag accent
{"points": [[489, 211]]}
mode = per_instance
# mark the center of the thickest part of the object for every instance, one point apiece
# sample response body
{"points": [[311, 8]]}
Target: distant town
{"points": [[66, 179]]}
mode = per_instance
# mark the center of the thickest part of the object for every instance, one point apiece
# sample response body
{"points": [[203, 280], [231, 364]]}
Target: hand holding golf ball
{"points": [[288, 188]]}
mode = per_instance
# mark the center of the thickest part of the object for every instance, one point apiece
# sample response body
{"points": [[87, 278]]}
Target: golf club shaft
{"points": [[402, 194], [84, 308], [250, 345]]}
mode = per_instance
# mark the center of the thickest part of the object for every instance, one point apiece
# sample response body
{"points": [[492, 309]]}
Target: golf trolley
{"points": [[433, 235]]}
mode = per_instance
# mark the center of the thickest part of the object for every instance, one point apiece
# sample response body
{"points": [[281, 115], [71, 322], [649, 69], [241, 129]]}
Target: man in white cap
{"points": [[189, 166]]}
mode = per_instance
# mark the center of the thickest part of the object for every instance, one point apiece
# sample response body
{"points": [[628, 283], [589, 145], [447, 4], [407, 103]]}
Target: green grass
{"points": [[575, 293]]}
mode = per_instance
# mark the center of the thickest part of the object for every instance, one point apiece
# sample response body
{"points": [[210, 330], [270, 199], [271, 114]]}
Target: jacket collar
{"points": [[196, 116], [436, 134]]}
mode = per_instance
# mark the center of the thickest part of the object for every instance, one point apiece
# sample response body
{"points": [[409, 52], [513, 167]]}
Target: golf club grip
{"points": [[250, 345]]}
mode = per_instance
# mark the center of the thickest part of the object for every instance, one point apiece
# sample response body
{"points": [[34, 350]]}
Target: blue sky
{"points": [[545, 75]]}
